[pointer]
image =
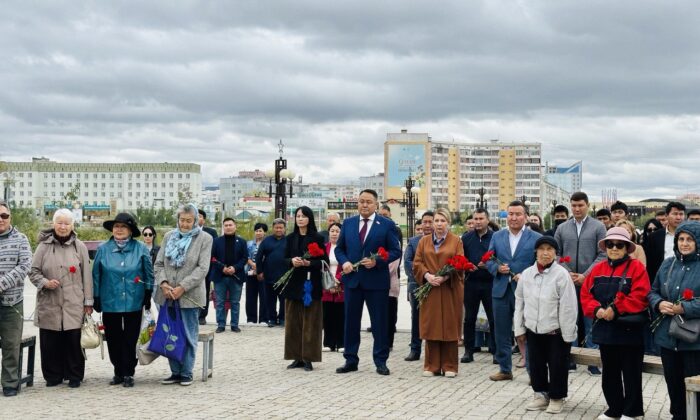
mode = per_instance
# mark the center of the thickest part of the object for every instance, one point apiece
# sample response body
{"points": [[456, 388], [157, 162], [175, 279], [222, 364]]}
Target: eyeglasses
{"points": [[618, 245], [147, 234], [5, 216]]}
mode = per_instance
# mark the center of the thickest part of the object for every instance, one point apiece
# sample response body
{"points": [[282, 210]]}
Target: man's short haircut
{"points": [[229, 219], [260, 225], [427, 213], [516, 203], [3, 203], [660, 213], [619, 205], [202, 212], [469, 217], [279, 221], [603, 212], [418, 222], [386, 207], [482, 211], [578, 196], [674, 204], [370, 191], [693, 212], [560, 208]]}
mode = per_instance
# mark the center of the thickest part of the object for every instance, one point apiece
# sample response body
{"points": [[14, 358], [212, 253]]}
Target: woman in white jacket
{"points": [[545, 312]]}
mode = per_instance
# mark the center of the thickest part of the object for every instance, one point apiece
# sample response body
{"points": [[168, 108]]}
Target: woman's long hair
{"points": [[311, 228]]}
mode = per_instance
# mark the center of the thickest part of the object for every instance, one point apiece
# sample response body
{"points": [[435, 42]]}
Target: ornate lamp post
{"points": [[410, 199], [482, 202], [282, 177], [526, 203], [551, 213]]}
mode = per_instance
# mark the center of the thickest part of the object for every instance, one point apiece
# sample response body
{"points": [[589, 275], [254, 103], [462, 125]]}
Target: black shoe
{"points": [[49, 384], [476, 349], [128, 382], [572, 366], [202, 321], [467, 358], [515, 349], [412, 356], [308, 366], [172, 379], [495, 362], [383, 370], [116, 380], [369, 329], [74, 383], [296, 364], [235, 329], [346, 368], [270, 324], [220, 329], [9, 392]]}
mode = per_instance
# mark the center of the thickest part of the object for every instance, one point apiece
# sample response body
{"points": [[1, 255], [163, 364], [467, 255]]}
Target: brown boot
{"points": [[501, 376]]}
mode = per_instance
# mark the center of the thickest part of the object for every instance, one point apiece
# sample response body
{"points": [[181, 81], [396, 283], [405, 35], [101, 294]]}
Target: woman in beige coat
{"points": [[63, 278]]}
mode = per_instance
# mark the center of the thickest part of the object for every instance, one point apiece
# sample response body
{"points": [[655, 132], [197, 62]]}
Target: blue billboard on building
{"points": [[404, 159]]}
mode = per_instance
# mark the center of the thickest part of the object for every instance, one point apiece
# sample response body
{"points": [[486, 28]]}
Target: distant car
{"points": [[92, 247]]}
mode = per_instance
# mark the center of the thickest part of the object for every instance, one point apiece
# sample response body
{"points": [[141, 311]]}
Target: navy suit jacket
{"points": [[348, 249], [523, 258], [218, 251]]}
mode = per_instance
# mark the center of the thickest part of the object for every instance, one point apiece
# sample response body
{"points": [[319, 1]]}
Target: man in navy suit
{"points": [[515, 249], [227, 270], [361, 236]]}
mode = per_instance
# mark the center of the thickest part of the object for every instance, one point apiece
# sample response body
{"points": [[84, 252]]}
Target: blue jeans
{"points": [[416, 342], [503, 309], [190, 318], [234, 288]]}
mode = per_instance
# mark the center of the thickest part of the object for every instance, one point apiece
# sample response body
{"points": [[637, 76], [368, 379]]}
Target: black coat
{"points": [[295, 288], [654, 250]]}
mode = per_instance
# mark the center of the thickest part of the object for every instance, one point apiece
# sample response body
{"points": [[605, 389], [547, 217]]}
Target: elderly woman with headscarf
{"points": [[674, 296], [614, 294], [122, 276], [181, 267], [61, 273]]}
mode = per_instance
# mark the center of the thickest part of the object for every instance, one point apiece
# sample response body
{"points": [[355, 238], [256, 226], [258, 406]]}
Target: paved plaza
{"points": [[250, 381]]}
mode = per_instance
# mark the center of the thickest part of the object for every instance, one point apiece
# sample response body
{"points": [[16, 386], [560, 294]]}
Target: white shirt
{"points": [[579, 225], [668, 244], [370, 222], [514, 240]]}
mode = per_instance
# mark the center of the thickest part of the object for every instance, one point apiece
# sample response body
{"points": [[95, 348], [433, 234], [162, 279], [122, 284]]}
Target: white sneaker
{"points": [[326, 349], [429, 373], [449, 374], [604, 417], [555, 406], [538, 403]]}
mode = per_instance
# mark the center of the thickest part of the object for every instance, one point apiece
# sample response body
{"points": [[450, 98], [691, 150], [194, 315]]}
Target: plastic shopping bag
{"points": [[148, 327], [169, 338]]}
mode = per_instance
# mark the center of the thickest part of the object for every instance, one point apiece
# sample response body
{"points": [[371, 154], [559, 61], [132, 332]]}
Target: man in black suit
{"points": [[659, 245], [207, 282]]}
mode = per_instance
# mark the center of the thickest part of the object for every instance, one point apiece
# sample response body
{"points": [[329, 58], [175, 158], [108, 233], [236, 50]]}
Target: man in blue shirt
{"points": [[270, 266]]}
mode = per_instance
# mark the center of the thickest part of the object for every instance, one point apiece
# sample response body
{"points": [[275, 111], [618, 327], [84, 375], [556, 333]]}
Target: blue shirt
{"points": [[270, 258]]}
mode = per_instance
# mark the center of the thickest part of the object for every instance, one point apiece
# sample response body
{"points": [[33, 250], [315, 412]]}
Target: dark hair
{"points": [[153, 230], [652, 221], [560, 208], [674, 204], [308, 213], [619, 205], [386, 207], [418, 222], [538, 217], [469, 217], [368, 191], [518, 203], [203, 213], [660, 213], [427, 213], [262, 226], [335, 224], [578, 196], [480, 210], [228, 219], [603, 212], [494, 226], [534, 227], [692, 212]]}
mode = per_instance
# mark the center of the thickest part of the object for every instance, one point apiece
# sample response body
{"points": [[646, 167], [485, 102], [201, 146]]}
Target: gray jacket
{"points": [[190, 276], [583, 249]]}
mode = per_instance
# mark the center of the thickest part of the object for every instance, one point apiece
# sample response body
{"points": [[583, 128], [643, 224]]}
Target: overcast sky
{"points": [[615, 84]]}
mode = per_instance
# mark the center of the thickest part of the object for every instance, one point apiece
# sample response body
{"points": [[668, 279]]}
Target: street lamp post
{"points": [[551, 213], [482, 202], [410, 199], [282, 177], [526, 203]]}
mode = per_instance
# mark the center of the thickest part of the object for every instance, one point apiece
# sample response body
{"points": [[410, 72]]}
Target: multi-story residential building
{"points": [[569, 178], [375, 182], [122, 186], [451, 174]]}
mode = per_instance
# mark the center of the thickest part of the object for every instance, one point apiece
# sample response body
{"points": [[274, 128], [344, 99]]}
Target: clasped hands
{"points": [[605, 313], [52, 284], [434, 280], [171, 292], [365, 262], [300, 262], [668, 308]]}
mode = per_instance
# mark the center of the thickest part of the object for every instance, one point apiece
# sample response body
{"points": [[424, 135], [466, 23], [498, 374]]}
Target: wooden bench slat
{"points": [[591, 357]]}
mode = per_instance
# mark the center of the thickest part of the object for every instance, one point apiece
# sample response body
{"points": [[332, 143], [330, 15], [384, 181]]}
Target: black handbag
{"points": [[687, 330]]}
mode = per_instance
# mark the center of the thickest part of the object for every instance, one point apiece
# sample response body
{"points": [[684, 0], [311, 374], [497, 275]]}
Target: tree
{"points": [[184, 196]]}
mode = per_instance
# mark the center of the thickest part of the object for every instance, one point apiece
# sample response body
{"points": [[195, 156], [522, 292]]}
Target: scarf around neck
{"points": [[177, 246]]}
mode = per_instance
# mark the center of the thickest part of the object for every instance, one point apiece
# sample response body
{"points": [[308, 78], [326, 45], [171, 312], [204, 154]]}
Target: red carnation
{"points": [[383, 254], [72, 269], [213, 259], [487, 256], [566, 259], [688, 294], [314, 250], [137, 279]]}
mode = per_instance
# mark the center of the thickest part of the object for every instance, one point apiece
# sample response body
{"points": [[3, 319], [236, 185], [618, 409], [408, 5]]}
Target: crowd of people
{"points": [[592, 281]]}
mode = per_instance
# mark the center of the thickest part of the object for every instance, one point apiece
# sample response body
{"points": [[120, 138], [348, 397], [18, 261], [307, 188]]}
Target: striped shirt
{"points": [[15, 263]]}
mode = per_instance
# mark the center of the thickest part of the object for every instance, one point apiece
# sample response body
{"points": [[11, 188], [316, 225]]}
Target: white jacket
{"points": [[545, 302]]}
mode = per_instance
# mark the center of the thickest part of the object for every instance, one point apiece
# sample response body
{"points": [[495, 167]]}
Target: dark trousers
{"points": [[333, 325], [302, 331], [61, 355], [416, 342], [392, 317], [476, 292], [121, 331], [254, 293], [271, 300], [376, 305], [548, 356], [679, 365], [207, 286], [622, 379]]}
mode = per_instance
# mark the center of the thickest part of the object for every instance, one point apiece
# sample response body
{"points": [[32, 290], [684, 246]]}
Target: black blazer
{"points": [[295, 288], [654, 250]]}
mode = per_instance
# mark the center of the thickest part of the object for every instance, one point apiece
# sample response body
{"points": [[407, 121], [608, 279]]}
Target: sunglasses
{"points": [[4, 216], [147, 234], [618, 245]]}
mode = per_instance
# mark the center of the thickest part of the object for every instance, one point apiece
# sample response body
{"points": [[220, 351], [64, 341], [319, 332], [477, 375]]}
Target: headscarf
{"points": [[179, 242]]}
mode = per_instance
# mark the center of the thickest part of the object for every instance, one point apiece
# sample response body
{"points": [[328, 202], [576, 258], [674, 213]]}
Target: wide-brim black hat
{"points": [[128, 220]]}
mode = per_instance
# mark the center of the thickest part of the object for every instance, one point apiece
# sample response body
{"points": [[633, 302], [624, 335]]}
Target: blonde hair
{"points": [[630, 228], [64, 213], [444, 213]]}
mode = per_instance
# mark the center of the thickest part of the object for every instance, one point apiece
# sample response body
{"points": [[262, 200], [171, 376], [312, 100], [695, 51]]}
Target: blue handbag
{"points": [[169, 338]]}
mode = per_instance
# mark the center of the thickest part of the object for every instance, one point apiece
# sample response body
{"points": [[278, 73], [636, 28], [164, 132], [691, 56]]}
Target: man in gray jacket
{"points": [[15, 262], [578, 239]]}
